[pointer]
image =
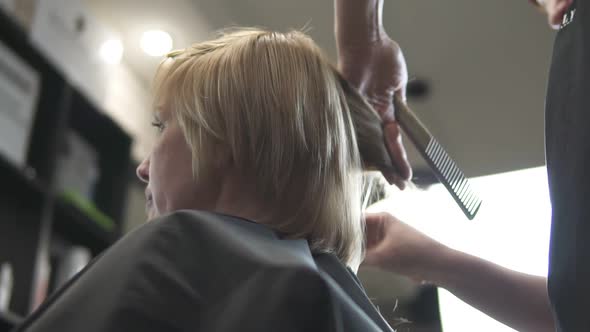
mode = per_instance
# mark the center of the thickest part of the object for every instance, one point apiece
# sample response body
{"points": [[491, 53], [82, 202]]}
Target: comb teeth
{"points": [[452, 178]]}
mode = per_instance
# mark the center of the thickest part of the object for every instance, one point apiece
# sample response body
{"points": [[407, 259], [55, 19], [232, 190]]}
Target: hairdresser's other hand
{"points": [[395, 246], [378, 69], [555, 9]]}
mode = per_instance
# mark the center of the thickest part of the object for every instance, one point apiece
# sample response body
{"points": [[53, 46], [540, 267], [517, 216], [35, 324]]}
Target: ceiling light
{"points": [[156, 42], [111, 51]]}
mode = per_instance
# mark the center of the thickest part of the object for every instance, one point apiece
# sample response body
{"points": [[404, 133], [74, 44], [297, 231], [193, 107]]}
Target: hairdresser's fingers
{"points": [[555, 10], [393, 141], [394, 179], [389, 175], [562, 8], [400, 183], [382, 103], [375, 229], [397, 179]]}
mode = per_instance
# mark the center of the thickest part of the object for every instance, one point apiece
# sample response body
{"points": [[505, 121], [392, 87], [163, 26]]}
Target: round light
{"points": [[156, 42], [111, 51]]}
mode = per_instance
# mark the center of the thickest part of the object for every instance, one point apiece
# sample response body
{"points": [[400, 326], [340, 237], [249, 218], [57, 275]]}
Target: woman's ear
{"points": [[223, 157]]}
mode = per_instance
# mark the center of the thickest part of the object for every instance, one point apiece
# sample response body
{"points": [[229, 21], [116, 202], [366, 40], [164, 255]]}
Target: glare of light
{"points": [[516, 209], [111, 51], [156, 42]]}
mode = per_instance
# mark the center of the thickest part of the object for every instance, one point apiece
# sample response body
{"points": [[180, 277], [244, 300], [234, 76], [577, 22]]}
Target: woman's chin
{"points": [[150, 212]]}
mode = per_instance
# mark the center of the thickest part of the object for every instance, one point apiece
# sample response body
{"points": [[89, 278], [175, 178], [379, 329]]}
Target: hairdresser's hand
{"points": [[555, 9], [516, 299], [378, 69], [394, 246]]}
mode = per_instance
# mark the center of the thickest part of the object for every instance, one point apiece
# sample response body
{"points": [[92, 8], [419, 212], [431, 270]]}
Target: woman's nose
{"points": [[143, 170]]}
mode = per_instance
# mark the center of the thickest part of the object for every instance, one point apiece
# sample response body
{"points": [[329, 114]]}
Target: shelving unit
{"points": [[74, 226], [34, 214], [9, 321], [22, 181]]}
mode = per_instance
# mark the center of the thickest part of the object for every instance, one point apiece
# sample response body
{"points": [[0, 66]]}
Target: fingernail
{"points": [[401, 184]]}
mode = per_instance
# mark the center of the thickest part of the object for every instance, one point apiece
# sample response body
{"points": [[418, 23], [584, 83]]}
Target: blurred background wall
{"points": [[482, 66]]}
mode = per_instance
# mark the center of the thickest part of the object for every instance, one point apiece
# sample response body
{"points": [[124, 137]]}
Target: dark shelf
{"points": [[34, 213], [20, 182], [8, 321], [75, 226], [112, 146]]}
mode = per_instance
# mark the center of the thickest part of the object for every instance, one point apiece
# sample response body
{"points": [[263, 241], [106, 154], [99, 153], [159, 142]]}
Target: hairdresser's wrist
{"points": [[451, 268], [438, 266], [355, 57], [429, 263], [359, 42], [362, 63]]}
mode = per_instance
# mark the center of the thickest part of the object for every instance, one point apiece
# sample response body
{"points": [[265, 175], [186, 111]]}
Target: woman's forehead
{"points": [[161, 101]]}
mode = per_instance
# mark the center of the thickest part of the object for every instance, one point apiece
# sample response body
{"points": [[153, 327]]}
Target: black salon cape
{"points": [[568, 165], [200, 271]]}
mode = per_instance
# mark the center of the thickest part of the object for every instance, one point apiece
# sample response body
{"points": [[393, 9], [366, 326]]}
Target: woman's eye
{"points": [[158, 125]]}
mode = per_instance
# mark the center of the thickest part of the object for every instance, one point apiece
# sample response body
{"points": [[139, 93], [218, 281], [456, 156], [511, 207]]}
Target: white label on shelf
{"points": [[19, 89]]}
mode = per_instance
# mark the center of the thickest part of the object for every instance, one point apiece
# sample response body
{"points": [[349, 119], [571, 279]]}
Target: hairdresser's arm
{"points": [[367, 57], [515, 299], [374, 64]]}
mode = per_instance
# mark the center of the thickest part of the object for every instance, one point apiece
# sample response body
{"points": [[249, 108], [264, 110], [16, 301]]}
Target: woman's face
{"points": [[168, 173]]}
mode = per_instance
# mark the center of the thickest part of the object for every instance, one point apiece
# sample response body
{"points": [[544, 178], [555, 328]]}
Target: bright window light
{"points": [[111, 51], [511, 229], [156, 42]]}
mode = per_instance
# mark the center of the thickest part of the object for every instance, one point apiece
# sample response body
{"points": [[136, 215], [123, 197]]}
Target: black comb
{"points": [[445, 169]]}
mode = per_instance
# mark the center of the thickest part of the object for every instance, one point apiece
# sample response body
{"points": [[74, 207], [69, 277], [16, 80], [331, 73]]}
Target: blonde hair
{"points": [[287, 119]]}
